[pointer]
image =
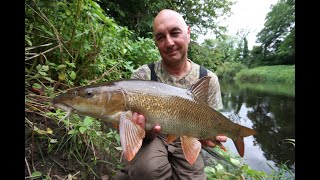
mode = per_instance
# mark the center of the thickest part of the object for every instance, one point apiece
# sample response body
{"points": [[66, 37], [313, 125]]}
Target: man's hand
{"points": [[210, 143], [141, 121]]}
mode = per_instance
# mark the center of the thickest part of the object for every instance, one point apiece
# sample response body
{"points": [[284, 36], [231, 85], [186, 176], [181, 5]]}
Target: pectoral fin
{"points": [[131, 135], [191, 148]]}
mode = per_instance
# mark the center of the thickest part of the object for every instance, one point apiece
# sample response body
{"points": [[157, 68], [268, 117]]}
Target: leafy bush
{"points": [[74, 43], [228, 70]]}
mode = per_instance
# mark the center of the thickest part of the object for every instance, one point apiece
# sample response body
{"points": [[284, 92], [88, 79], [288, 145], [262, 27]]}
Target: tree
{"points": [[245, 50], [138, 15], [203, 15], [279, 29]]}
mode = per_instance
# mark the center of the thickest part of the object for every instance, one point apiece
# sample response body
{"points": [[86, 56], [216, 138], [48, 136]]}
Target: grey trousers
{"points": [[156, 160]]}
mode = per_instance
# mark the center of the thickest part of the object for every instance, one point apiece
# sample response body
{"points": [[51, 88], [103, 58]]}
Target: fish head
{"points": [[96, 101]]}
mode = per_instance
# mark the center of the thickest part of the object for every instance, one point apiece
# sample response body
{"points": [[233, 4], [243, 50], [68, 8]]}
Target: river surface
{"points": [[270, 110]]}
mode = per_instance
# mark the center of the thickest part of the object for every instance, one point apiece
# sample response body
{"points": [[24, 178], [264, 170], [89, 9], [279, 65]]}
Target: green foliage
{"points": [[283, 172], [213, 53], [143, 51], [203, 15], [234, 168], [286, 50], [87, 141], [203, 56], [228, 70], [228, 168], [200, 15], [128, 13], [279, 73], [277, 38], [74, 42], [256, 57]]}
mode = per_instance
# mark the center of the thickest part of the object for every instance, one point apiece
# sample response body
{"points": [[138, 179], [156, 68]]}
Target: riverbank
{"points": [[266, 74]]}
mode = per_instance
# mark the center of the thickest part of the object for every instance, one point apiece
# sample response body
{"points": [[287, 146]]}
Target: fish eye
{"points": [[89, 93]]}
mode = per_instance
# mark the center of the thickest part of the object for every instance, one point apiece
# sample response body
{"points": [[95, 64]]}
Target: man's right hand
{"points": [[141, 121]]}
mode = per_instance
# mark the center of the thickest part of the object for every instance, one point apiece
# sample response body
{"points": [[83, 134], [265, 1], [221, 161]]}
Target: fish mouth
{"points": [[63, 106], [66, 108]]}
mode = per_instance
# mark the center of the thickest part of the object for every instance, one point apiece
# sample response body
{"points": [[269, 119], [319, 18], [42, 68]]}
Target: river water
{"points": [[270, 110]]}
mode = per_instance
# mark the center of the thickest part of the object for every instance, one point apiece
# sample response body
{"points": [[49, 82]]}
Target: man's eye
{"points": [[175, 34], [159, 38]]}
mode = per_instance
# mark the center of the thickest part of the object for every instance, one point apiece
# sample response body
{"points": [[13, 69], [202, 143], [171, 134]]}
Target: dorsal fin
{"points": [[200, 89]]}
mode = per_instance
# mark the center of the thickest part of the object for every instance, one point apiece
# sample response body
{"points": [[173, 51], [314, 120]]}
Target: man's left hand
{"points": [[210, 143]]}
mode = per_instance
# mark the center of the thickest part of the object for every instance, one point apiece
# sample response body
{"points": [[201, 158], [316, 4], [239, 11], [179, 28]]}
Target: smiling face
{"points": [[172, 37]]}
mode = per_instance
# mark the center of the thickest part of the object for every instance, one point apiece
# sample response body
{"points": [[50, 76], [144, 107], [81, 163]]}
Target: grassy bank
{"points": [[272, 74]]}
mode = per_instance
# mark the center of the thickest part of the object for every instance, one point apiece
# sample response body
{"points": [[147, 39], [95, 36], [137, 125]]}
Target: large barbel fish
{"points": [[182, 113]]}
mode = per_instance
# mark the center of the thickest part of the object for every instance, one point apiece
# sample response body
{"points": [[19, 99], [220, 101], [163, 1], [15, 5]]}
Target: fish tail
{"points": [[238, 141], [245, 131]]}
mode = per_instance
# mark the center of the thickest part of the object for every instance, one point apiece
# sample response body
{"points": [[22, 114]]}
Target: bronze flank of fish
{"points": [[182, 113]]}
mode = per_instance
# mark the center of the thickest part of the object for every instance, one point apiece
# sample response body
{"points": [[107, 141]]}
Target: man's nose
{"points": [[169, 41]]}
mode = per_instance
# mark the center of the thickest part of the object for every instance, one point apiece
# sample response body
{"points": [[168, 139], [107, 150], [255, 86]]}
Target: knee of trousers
{"points": [[156, 168]]}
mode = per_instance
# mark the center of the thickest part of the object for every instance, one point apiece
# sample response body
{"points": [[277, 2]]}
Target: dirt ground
{"points": [[58, 163]]}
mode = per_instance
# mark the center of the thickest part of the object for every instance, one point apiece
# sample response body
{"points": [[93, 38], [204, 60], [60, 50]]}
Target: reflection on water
{"points": [[270, 110]]}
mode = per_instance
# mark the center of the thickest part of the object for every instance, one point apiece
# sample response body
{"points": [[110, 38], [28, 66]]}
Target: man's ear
{"points": [[188, 34]]}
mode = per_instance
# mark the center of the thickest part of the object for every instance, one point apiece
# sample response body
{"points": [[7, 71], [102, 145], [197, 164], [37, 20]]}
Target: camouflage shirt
{"points": [[186, 81]]}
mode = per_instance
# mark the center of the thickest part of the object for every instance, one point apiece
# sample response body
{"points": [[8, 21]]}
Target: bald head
{"points": [[166, 15], [172, 37]]}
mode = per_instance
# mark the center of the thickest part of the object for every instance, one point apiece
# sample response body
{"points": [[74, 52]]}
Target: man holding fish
{"points": [[163, 124], [157, 158]]}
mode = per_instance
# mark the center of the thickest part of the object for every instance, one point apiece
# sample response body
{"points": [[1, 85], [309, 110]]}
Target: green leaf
{"points": [[62, 77], [117, 136], [28, 42], [235, 161], [82, 53], [71, 64], [118, 148], [49, 79], [53, 141], [36, 85], [45, 68], [42, 73], [68, 12], [72, 75], [87, 121], [219, 167], [209, 169], [36, 174], [82, 129], [73, 131], [61, 66]]}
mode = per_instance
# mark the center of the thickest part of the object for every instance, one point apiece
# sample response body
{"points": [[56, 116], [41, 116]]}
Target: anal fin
{"points": [[191, 148], [131, 135], [115, 125], [171, 138], [218, 143]]}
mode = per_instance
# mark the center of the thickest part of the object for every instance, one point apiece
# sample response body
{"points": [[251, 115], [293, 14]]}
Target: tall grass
{"points": [[278, 74]]}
